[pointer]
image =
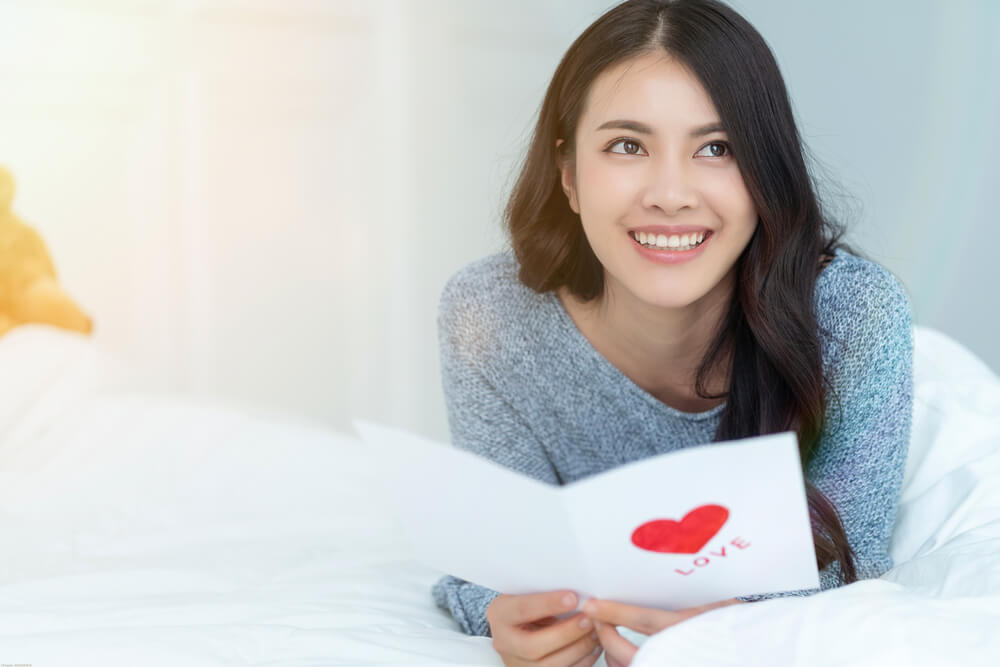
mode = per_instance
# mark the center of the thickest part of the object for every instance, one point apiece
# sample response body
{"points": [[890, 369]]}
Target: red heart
{"points": [[685, 537]]}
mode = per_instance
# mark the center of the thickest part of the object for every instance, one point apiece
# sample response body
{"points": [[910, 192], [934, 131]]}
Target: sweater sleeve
{"points": [[481, 421], [861, 457]]}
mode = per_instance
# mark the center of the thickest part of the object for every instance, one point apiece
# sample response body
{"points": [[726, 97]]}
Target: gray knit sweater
{"points": [[525, 388]]}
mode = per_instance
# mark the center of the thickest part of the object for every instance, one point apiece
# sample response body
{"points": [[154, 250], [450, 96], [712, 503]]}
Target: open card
{"points": [[685, 528]]}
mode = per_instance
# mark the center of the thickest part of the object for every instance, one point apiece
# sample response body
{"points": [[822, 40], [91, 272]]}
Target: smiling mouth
{"points": [[669, 248]]}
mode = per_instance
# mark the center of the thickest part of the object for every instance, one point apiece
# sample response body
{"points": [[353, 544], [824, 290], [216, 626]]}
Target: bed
{"points": [[154, 529]]}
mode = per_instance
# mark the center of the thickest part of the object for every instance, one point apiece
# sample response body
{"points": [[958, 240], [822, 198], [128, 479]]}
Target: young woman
{"points": [[673, 281]]}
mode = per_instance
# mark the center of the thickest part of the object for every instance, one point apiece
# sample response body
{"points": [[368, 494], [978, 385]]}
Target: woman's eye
{"points": [[716, 153], [629, 145]]}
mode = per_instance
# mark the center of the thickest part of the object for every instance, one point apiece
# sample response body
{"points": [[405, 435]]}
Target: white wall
{"points": [[260, 200], [901, 100]]}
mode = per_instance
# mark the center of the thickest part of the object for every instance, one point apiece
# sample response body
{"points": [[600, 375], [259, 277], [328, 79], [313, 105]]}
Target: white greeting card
{"points": [[672, 531]]}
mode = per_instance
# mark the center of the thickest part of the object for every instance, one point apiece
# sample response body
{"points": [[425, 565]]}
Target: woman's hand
{"points": [[526, 631], [607, 614]]}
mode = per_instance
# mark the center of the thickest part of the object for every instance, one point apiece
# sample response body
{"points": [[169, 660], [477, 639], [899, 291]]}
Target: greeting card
{"points": [[672, 531]]}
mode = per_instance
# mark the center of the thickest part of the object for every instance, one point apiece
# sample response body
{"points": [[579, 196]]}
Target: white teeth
{"points": [[678, 242]]}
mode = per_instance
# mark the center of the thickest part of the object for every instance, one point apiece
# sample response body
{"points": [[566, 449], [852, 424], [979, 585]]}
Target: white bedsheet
{"points": [[154, 530], [143, 530]]}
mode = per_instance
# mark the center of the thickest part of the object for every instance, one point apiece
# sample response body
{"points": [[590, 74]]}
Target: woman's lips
{"points": [[668, 256]]}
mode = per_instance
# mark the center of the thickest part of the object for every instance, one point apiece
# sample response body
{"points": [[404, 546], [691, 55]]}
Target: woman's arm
{"points": [[481, 421], [861, 457]]}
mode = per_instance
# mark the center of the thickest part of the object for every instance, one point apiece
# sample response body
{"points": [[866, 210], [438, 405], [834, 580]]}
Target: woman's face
{"points": [[659, 175]]}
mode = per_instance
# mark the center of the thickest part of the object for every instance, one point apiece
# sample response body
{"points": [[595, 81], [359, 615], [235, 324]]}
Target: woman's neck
{"points": [[657, 348]]}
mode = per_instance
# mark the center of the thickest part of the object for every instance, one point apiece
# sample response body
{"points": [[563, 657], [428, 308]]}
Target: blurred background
{"points": [[259, 201]]}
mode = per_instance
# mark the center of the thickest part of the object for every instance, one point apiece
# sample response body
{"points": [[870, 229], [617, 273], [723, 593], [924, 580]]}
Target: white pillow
{"points": [[956, 397], [956, 423], [940, 358], [38, 363]]}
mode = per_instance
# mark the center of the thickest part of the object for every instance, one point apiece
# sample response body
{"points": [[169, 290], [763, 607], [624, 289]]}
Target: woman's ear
{"points": [[567, 167]]}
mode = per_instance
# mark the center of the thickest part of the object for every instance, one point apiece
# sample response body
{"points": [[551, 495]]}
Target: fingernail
{"points": [[597, 650], [569, 600], [590, 607], [584, 622]]}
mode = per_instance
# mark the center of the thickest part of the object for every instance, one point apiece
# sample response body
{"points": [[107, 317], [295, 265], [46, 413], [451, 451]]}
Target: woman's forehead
{"points": [[655, 90]]}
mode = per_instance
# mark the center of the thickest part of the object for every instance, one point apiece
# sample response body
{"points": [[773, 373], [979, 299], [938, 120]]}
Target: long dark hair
{"points": [[770, 332]]}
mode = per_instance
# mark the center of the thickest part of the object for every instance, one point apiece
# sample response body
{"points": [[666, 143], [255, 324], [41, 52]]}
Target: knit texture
{"points": [[525, 388]]}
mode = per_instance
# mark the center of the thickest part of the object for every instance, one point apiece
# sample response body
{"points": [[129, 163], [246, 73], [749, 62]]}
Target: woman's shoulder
{"points": [[859, 302], [485, 271], [484, 302], [859, 283], [486, 284]]}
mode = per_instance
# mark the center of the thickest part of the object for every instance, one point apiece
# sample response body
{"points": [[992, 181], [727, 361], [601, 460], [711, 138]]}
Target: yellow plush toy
{"points": [[29, 290]]}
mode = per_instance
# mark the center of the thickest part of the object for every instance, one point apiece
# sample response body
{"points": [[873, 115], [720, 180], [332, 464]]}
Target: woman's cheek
{"points": [[608, 188]]}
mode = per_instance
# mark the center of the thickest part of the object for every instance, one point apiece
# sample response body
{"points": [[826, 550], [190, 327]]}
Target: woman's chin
{"points": [[667, 299]]}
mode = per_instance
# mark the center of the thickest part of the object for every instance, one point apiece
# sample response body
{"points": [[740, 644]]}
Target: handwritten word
{"points": [[702, 561]]}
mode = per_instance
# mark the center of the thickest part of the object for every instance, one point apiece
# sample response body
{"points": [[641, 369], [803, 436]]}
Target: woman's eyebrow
{"points": [[642, 128]]}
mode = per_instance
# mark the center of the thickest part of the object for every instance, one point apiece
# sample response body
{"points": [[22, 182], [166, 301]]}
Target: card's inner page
{"points": [[696, 525], [473, 518]]}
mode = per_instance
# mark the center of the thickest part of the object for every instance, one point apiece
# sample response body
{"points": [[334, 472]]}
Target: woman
{"points": [[673, 282]]}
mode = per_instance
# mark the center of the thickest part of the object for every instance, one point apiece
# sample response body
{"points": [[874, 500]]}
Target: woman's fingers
{"points": [[616, 647], [590, 658], [641, 619], [701, 609], [607, 614], [646, 620], [541, 623], [575, 653]]}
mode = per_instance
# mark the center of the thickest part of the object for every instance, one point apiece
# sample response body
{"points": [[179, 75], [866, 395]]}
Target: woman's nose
{"points": [[670, 187]]}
